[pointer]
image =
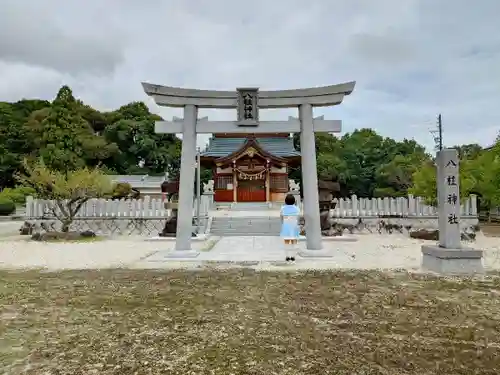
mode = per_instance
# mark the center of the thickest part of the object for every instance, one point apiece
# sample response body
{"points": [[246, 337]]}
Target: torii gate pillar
{"points": [[248, 101], [186, 182], [309, 178]]}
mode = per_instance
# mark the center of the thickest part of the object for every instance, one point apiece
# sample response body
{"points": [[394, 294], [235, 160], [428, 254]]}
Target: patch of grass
{"points": [[247, 322]]}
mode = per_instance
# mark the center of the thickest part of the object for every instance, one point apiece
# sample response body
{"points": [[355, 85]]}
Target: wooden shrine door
{"points": [[251, 191]]}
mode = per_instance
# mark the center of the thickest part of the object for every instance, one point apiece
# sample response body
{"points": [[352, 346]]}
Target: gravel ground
{"points": [[369, 252], [114, 253]]}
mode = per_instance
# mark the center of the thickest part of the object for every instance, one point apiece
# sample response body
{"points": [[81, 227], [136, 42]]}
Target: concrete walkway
{"points": [[264, 253], [369, 252], [260, 249], [267, 252], [238, 249]]}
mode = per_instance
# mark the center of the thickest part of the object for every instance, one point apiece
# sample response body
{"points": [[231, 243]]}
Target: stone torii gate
{"points": [[247, 101]]}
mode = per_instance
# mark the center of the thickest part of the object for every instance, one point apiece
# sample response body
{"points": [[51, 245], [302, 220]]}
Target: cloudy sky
{"points": [[411, 59]]}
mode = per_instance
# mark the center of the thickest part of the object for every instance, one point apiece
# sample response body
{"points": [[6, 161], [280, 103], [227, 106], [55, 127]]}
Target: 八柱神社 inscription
{"points": [[449, 200], [248, 106]]}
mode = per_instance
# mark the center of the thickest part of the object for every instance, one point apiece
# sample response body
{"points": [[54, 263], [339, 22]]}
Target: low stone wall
{"points": [[111, 227], [408, 223], [152, 226]]}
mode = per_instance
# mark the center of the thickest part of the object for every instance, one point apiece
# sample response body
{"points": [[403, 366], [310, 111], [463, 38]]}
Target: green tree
{"points": [[141, 150], [424, 183], [25, 107], [70, 135], [394, 178], [98, 121], [329, 161], [469, 151], [365, 163], [363, 151], [63, 138], [17, 195], [13, 144], [482, 176], [67, 191]]}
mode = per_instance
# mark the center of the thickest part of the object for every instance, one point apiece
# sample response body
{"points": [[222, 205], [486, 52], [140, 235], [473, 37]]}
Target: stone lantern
{"points": [[171, 190], [326, 191]]}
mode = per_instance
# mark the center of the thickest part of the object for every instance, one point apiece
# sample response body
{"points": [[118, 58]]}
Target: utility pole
{"points": [[438, 134]]}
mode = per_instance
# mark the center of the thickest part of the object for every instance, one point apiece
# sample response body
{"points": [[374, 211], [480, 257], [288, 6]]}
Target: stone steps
{"points": [[241, 226], [223, 206], [250, 206]]}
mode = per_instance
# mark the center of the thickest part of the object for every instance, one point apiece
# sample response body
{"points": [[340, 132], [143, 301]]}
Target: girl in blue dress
{"points": [[290, 226]]}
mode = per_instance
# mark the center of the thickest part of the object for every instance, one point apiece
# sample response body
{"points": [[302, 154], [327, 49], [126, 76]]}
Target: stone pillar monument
{"points": [[449, 256]]}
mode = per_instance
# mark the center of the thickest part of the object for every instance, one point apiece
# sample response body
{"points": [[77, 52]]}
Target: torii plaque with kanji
{"points": [[248, 106]]}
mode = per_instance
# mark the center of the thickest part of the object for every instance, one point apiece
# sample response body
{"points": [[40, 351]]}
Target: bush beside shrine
{"points": [[17, 195], [7, 207]]}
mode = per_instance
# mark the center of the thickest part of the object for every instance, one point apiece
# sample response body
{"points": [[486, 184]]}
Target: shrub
{"points": [[7, 207], [121, 190], [67, 191], [17, 195]]}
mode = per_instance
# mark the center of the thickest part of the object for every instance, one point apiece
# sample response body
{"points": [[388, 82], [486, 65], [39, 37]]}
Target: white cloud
{"points": [[411, 59], [59, 36]]}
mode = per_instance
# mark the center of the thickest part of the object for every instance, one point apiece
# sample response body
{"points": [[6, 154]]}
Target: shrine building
{"points": [[250, 167]]}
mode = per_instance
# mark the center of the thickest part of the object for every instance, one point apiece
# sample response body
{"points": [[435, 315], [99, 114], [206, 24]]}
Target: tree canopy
{"points": [[366, 163], [69, 135], [479, 175]]}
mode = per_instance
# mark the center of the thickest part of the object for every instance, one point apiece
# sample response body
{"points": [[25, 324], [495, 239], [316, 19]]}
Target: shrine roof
{"points": [[221, 147]]}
